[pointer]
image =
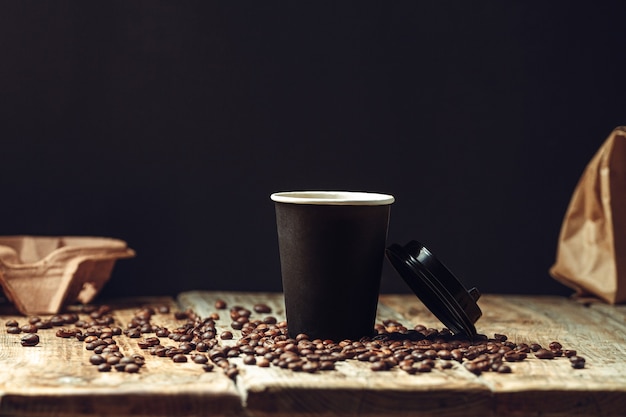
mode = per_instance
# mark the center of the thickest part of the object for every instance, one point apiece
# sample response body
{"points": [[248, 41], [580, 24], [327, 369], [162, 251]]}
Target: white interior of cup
{"points": [[338, 198]]}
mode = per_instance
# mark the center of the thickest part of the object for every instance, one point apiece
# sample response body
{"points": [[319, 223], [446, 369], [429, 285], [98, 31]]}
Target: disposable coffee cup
{"points": [[331, 245]]}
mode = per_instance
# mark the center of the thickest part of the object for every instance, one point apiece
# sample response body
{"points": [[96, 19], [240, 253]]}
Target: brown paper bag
{"points": [[591, 253]]}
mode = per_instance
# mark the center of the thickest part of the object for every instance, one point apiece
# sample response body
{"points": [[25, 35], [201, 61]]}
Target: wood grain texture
{"points": [[56, 379]]}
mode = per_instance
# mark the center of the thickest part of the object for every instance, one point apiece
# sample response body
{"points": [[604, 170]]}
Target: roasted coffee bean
{"points": [[179, 358], [262, 308], [97, 359], [162, 332], [113, 360], [65, 333], [29, 328], [444, 354], [30, 339], [423, 367], [207, 367], [262, 362], [131, 368], [104, 367], [569, 353], [577, 362], [232, 372], [57, 320], [555, 346], [220, 304], [535, 347], [43, 324], [199, 359], [226, 335], [181, 315], [13, 330], [249, 360], [544, 354], [379, 366], [12, 323], [473, 368], [503, 369]]}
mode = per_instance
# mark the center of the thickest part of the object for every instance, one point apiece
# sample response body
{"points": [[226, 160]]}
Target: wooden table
{"points": [[55, 378]]}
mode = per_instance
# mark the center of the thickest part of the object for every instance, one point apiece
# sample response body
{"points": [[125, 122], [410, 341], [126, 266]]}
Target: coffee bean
{"points": [[97, 359], [555, 346], [220, 304], [232, 372], [14, 330], [30, 339], [500, 337], [444, 354], [577, 362], [379, 366], [569, 353], [29, 328], [262, 363], [11, 323], [424, 367], [179, 357], [199, 359], [473, 368], [226, 335], [104, 367], [544, 354], [262, 308], [131, 368], [503, 369]]}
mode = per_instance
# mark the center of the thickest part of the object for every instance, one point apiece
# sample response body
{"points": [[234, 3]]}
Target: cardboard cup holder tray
{"points": [[40, 274]]}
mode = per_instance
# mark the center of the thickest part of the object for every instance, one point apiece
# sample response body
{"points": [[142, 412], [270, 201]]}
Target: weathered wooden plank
{"points": [[55, 378]]}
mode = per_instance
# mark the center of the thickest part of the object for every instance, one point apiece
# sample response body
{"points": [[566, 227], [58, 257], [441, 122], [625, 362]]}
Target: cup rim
{"points": [[335, 198]]}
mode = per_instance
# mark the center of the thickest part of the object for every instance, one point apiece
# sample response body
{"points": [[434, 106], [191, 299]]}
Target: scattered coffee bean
{"points": [[577, 362], [179, 357], [503, 369], [544, 354], [262, 308], [104, 367], [14, 330], [12, 323], [555, 346], [30, 339], [220, 304], [29, 328], [131, 368], [97, 359]]}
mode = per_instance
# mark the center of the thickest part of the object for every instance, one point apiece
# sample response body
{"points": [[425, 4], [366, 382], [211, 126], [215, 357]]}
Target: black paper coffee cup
{"points": [[331, 245]]}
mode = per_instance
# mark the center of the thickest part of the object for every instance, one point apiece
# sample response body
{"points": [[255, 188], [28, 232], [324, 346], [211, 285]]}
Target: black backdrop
{"points": [[168, 124]]}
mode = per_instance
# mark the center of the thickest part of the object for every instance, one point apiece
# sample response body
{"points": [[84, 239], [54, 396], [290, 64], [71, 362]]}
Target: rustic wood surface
{"points": [[55, 377]]}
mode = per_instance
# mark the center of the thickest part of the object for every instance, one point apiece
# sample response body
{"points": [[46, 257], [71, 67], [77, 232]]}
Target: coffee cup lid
{"points": [[440, 291]]}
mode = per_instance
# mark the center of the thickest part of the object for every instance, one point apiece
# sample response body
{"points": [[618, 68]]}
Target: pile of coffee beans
{"points": [[264, 342]]}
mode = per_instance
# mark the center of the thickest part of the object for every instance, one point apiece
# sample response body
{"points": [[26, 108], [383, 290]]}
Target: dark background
{"points": [[168, 124]]}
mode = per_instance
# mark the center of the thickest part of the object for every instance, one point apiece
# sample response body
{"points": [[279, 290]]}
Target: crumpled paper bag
{"points": [[591, 252]]}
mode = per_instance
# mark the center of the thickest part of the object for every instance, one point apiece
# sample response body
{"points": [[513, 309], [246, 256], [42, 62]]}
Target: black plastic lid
{"points": [[436, 287]]}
